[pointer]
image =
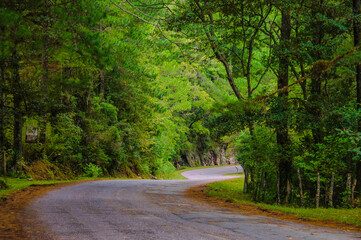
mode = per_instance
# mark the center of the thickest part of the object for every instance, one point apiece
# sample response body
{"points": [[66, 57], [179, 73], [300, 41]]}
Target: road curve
{"points": [[153, 209]]}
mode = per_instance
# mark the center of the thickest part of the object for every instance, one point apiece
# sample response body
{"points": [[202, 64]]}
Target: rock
{"points": [[214, 156], [153, 177]]}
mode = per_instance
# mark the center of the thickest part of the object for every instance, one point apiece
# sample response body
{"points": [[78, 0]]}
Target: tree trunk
{"points": [[357, 42], [282, 130], [45, 75], [315, 98], [330, 198], [101, 72], [2, 103], [250, 128], [325, 204], [101, 83], [252, 179], [18, 136], [318, 191], [18, 115], [348, 189], [264, 186], [315, 107], [288, 191], [259, 188], [353, 193], [4, 162], [300, 185], [245, 184], [42, 135], [278, 190]]}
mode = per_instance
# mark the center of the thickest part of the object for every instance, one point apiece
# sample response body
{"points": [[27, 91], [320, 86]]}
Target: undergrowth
{"points": [[233, 190]]}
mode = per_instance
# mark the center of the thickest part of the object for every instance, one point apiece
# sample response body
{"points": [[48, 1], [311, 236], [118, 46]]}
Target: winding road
{"points": [[154, 209]]}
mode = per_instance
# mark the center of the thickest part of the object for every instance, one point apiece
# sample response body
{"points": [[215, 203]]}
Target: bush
{"points": [[92, 170]]}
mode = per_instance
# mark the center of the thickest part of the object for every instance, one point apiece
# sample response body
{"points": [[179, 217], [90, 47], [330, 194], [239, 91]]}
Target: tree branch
{"points": [[318, 67]]}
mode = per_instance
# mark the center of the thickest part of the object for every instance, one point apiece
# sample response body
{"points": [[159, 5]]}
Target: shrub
{"points": [[92, 170]]}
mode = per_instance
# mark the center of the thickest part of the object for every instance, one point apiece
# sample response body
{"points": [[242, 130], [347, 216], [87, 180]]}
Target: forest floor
{"points": [[218, 195]]}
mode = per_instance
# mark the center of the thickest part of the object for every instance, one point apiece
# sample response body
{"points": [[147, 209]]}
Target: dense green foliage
{"points": [[132, 87], [107, 94]]}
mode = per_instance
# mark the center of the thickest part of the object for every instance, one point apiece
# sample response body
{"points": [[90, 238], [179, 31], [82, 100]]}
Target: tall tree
{"points": [[282, 130], [357, 42]]}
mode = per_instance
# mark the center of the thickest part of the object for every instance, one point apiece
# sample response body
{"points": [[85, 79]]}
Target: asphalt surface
{"points": [[154, 209]]}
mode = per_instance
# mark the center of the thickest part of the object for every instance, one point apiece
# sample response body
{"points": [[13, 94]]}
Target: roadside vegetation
{"points": [[10, 185], [232, 191], [15, 184]]}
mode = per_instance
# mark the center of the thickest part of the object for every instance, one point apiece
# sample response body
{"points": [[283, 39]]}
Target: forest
{"points": [[139, 88]]}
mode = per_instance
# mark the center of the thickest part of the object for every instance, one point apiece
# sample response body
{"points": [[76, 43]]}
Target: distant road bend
{"points": [[154, 209]]}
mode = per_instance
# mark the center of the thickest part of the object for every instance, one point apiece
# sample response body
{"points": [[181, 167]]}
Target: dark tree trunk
{"points": [[357, 42], [318, 191], [282, 130], [45, 72], [264, 186], [315, 108], [288, 191], [325, 204], [2, 103], [245, 184], [18, 115], [330, 198], [45, 69], [316, 80], [3, 154], [101, 72], [259, 191], [348, 189], [2, 115], [278, 189], [300, 185], [258, 186], [252, 178], [353, 193]]}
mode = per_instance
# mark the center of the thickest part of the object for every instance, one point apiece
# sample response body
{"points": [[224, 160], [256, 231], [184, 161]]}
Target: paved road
{"points": [[154, 209]]}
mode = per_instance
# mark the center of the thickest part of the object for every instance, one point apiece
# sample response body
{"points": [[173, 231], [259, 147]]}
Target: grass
{"points": [[233, 189], [16, 184], [235, 174]]}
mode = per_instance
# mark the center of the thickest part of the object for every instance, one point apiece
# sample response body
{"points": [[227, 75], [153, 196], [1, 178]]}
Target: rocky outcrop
{"points": [[214, 156]]}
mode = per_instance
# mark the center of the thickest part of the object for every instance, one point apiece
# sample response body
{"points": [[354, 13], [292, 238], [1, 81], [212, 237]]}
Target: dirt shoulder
{"points": [[12, 209], [198, 193]]}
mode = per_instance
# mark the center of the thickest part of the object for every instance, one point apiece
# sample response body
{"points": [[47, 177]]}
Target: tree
{"points": [[357, 42]]}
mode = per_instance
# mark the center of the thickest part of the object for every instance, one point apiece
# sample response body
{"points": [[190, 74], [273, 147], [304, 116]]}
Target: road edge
{"points": [[12, 208]]}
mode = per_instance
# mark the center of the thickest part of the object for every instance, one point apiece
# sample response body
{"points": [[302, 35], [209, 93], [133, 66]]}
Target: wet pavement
{"points": [[155, 209]]}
